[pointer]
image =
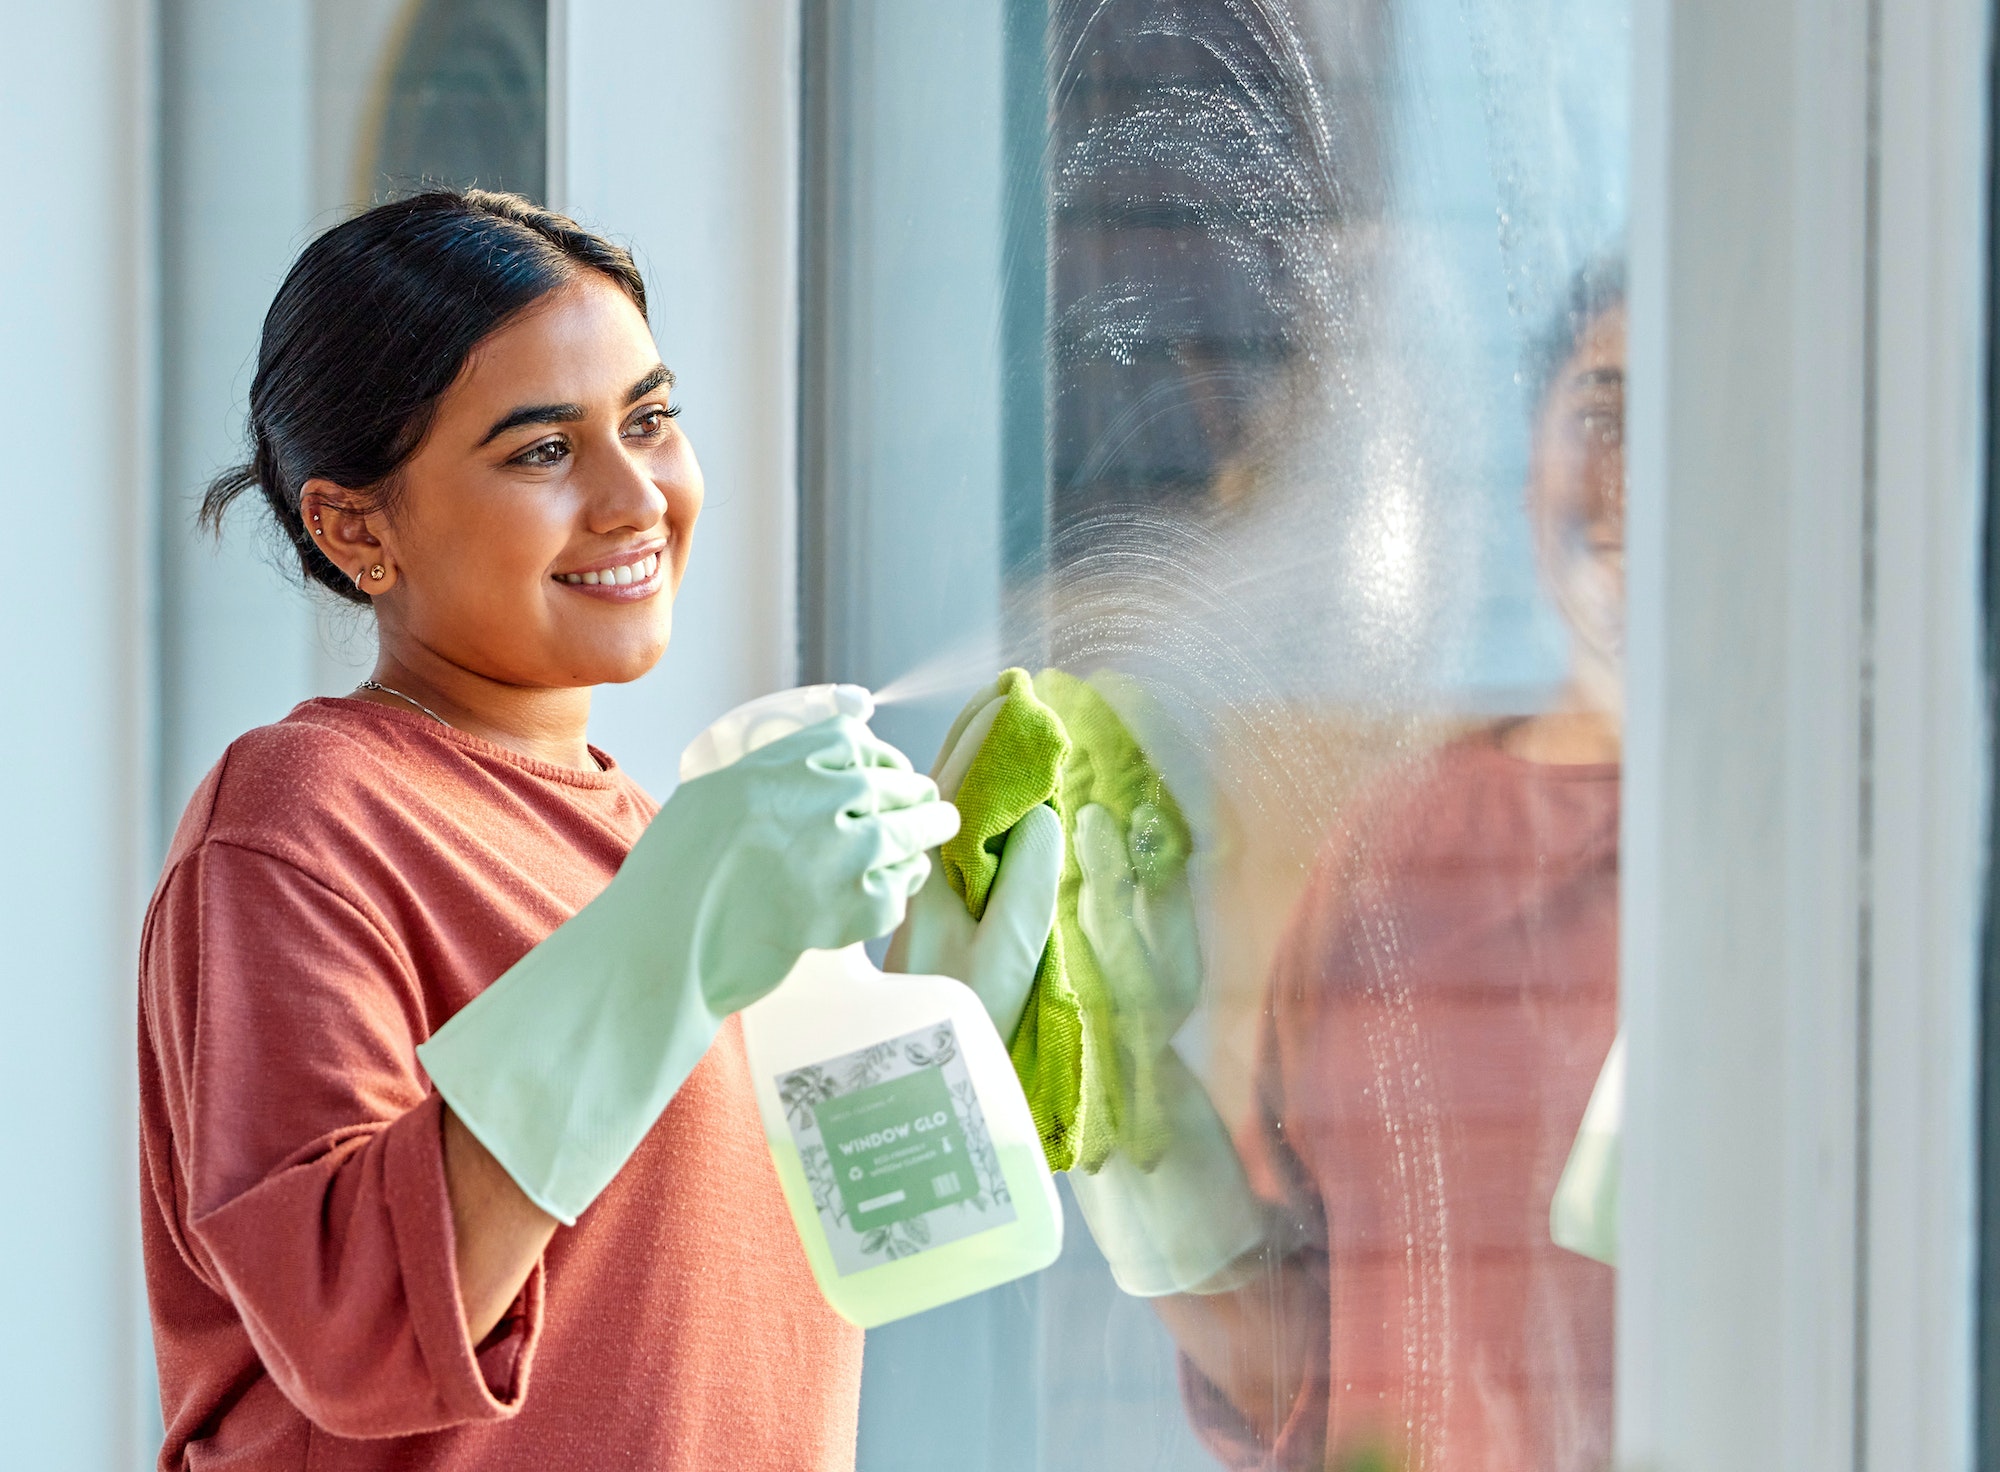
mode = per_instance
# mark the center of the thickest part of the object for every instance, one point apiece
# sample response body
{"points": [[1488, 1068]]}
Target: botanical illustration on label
{"points": [[895, 1148]]}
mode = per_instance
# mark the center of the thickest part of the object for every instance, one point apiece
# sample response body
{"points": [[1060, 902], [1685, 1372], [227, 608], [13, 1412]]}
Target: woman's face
{"points": [[1576, 499], [542, 527]]}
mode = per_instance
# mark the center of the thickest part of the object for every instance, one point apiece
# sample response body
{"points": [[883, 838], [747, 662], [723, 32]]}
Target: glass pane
{"points": [[1262, 366]]}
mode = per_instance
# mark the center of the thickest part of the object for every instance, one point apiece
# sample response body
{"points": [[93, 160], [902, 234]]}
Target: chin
{"points": [[607, 651], [624, 664]]}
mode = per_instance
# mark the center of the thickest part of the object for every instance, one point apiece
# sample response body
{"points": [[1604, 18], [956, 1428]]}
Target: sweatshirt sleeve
{"points": [[308, 1150]]}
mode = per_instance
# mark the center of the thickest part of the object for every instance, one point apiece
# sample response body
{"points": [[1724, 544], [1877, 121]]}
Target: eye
{"points": [[650, 422], [551, 451]]}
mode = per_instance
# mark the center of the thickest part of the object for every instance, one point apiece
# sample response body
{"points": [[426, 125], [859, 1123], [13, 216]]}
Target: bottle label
{"points": [[895, 1148]]}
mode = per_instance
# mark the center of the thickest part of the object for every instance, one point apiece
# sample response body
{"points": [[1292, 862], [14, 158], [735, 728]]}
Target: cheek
{"points": [[499, 555], [684, 503], [680, 481], [1602, 497]]}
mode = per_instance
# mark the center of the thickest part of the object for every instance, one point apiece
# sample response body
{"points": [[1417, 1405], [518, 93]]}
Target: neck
{"points": [[548, 725], [1578, 732]]}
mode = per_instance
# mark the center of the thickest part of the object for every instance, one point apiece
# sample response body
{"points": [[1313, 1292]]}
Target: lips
{"points": [[622, 575]]}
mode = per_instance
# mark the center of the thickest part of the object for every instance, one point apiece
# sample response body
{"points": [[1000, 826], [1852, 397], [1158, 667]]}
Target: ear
{"points": [[351, 536]]}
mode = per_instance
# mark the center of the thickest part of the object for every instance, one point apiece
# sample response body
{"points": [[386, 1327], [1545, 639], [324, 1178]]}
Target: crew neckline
{"points": [[609, 774], [1489, 741]]}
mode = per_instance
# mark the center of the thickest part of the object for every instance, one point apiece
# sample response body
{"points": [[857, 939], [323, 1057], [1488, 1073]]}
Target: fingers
{"points": [[959, 722], [869, 790], [912, 828], [835, 744], [871, 750], [893, 884], [882, 897], [1104, 908], [1102, 854], [1020, 913], [956, 759], [1166, 920], [1024, 891]]}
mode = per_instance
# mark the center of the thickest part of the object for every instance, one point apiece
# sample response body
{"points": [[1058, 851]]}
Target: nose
{"points": [[623, 495]]}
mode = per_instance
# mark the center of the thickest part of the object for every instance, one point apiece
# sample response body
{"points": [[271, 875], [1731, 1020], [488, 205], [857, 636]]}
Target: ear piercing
{"points": [[375, 573]]}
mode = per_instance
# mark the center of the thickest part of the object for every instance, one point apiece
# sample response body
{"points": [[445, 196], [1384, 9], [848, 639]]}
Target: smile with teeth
{"points": [[631, 572]]}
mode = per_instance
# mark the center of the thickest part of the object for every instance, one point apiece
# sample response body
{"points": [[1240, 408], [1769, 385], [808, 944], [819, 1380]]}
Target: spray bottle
{"points": [[900, 1133]]}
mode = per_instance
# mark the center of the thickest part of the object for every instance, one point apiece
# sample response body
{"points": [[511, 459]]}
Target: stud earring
{"points": [[375, 572]]}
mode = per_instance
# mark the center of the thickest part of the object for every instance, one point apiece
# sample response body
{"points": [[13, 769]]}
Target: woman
{"points": [[387, 1225]]}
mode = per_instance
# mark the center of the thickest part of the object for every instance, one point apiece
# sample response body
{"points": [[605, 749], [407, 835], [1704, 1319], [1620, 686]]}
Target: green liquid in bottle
{"points": [[908, 1285], [927, 1180]]}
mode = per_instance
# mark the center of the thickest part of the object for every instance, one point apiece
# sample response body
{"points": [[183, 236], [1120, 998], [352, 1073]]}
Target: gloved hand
{"points": [[1583, 1214], [1188, 1224], [561, 1066], [997, 954]]}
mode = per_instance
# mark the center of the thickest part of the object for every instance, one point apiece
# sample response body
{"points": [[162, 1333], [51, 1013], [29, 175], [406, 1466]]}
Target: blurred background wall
{"points": [[80, 339]]}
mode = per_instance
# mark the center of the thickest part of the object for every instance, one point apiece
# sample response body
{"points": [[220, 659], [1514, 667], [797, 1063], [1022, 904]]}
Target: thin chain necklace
{"points": [[378, 685]]}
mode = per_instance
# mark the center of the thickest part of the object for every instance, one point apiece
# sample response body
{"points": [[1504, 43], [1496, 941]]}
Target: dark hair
{"points": [[373, 323], [1598, 287]]}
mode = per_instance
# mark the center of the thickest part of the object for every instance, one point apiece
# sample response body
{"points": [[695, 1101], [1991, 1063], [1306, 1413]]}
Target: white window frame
{"points": [[1803, 845]]}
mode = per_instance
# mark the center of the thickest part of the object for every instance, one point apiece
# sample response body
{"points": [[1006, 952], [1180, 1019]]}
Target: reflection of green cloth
{"points": [[1056, 741]]}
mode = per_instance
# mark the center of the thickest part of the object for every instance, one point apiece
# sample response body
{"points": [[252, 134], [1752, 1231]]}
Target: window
{"points": [[1264, 366], [271, 132]]}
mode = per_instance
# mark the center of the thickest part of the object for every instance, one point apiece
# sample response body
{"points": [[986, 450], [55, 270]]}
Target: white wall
{"points": [[681, 129], [75, 284], [238, 643]]}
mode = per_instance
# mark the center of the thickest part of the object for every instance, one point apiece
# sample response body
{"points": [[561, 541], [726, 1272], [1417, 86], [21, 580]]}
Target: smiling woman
{"points": [[471, 479], [428, 977]]}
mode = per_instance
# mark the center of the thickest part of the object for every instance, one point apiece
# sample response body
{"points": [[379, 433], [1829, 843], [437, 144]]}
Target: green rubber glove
{"points": [[1190, 1223], [560, 1067], [1583, 1214], [997, 954]]}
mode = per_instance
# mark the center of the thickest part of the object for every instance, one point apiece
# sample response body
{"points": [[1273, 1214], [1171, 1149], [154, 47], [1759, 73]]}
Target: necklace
{"points": [[378, 685]]}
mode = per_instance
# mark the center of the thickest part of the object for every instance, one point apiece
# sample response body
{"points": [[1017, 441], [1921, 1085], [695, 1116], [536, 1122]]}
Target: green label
{"points": [[895, 1148]]}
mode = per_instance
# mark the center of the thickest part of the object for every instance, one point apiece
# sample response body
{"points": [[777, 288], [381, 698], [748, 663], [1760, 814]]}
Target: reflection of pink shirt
{"points": [[342, 883], [1437, 1016]]}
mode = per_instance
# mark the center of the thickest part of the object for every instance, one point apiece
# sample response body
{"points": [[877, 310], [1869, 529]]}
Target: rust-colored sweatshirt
{"points": [[341, 884]]}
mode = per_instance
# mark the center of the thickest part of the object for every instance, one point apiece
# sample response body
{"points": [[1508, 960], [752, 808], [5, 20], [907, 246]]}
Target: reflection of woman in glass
{"points": [[449, 1150], [1437, 1016]]}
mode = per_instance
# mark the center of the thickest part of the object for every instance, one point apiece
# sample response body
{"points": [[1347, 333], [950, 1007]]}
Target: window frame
{"points": [[1804, 822]]}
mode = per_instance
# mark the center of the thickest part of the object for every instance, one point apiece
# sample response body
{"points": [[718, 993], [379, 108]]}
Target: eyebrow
{"points": [[660, 375], [1595, 376], [570, 413]]}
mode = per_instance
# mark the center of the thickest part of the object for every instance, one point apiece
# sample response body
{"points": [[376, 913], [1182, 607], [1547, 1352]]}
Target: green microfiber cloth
{"points": [[1055, 740], [1017, 769]]}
